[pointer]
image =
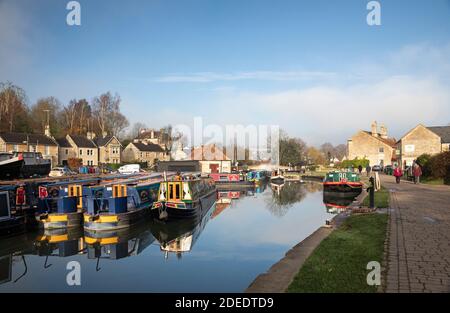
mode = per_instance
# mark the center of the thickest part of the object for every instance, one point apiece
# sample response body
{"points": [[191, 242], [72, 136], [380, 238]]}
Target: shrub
{"points": [[74, 163], [355, 163], [424, 162], [447, 176], [439, 164]]}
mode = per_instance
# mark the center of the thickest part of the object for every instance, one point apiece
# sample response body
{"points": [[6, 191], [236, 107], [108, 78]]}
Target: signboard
{"points": [[410, 148]]}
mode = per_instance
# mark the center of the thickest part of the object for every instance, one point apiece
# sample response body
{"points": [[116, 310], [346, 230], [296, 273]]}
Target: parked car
{"points": [[389, 169], [129, 169], [60, 171], [377, 168]]}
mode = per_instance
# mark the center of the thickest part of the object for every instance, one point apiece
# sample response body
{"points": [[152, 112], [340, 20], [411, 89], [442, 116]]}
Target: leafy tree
{"points": [[14, 111]]}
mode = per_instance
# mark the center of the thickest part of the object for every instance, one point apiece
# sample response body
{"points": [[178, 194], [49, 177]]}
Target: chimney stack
{"points": [[375, 129], [383, 131]]}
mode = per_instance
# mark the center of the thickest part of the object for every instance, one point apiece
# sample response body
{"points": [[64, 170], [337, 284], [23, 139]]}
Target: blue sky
{"points": [[313, 67]]}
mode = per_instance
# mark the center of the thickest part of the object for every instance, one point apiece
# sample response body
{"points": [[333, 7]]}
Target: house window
{"points": [[16, 148], [81, 151], [67, 151], [32, 148], [381, 150], [47, 150]]}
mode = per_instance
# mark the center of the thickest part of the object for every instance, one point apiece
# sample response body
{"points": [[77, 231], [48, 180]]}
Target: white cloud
{"points": [[207, 77]]}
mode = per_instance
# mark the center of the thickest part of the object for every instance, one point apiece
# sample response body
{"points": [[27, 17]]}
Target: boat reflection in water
{"points": [[118, 244], [336, 205]]}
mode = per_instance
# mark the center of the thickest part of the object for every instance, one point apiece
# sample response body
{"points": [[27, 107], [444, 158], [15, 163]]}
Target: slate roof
{"points": [[82, 141], [148, 148], [389, 141], [103, 141], [442, 131], [20, 138], [63, 143]]}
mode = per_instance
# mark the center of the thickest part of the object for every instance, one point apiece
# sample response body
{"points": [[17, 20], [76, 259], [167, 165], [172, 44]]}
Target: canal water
{"points": [[240, 237]]}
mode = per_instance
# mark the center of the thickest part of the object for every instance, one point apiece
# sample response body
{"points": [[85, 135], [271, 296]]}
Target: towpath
{"points": [[418, 250]]}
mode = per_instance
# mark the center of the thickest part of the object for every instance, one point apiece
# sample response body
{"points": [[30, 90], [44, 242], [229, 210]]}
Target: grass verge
{"points": [[381, 199], [339, 263], [432, 181]]}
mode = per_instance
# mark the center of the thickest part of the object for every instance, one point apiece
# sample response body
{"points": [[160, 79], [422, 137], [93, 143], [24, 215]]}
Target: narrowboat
{"points": [[184, 198], [59, 206], [15, 212], [23, 164], [342, 184], [256, 176], [226, 177], [119, 206], [277, 178], [293, 176]]}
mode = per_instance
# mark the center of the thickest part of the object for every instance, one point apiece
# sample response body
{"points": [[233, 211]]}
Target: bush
{"points": [[447, 176], [424, 162], [74, 163], [439, 164], [355, 163]]}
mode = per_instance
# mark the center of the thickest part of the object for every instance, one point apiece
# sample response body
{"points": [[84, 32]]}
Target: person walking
{"points": [[368, 169], [398, 173], [417, 172], [360, 169]]}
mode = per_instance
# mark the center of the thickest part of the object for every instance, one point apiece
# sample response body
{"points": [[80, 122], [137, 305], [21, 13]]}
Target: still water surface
{"points": [[240, 237]]}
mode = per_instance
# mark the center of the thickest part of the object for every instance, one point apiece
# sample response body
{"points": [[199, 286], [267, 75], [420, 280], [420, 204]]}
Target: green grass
{"points": [[339, 263], [432, 181], [381, 199]]}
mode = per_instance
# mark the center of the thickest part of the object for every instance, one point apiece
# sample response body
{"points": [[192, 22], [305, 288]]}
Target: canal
{"points": [[241, 236]]}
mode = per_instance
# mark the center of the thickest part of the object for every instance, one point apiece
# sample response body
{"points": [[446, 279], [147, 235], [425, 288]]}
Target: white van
{"points": [[129, 169]]}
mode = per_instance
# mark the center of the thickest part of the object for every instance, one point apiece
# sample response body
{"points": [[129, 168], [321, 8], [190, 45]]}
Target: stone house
{"points": [[212, 159], [83, 148], [444, 133], [65, 151], [141, 152], [421, 140], [22, 142], [375, 145], [157, 137], [109, 149]]}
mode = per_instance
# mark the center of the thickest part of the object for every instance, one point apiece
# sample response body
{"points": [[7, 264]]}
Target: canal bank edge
{"points": [[281, 274]]}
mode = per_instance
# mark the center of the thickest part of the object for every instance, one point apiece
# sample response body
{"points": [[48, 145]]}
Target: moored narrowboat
{"points": [[184, 198], [119, 206], [342, 184], [60, 206]]}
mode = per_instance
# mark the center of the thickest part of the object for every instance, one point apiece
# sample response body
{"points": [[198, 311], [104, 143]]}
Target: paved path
{"points": [[418, 256]]}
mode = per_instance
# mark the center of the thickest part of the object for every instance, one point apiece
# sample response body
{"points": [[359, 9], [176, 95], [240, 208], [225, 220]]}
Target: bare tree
{"points": [[106, 111], [13, 107]]}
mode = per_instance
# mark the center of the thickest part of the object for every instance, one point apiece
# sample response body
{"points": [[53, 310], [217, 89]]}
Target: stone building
{"points": [[109, 149], [141, 152], [83, 148], [375, 145], [212, 159], [422, 140], [22, 142]]}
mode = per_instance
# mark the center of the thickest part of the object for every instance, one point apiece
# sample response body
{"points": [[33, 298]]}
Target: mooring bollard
{"points": [[371, 191]]}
